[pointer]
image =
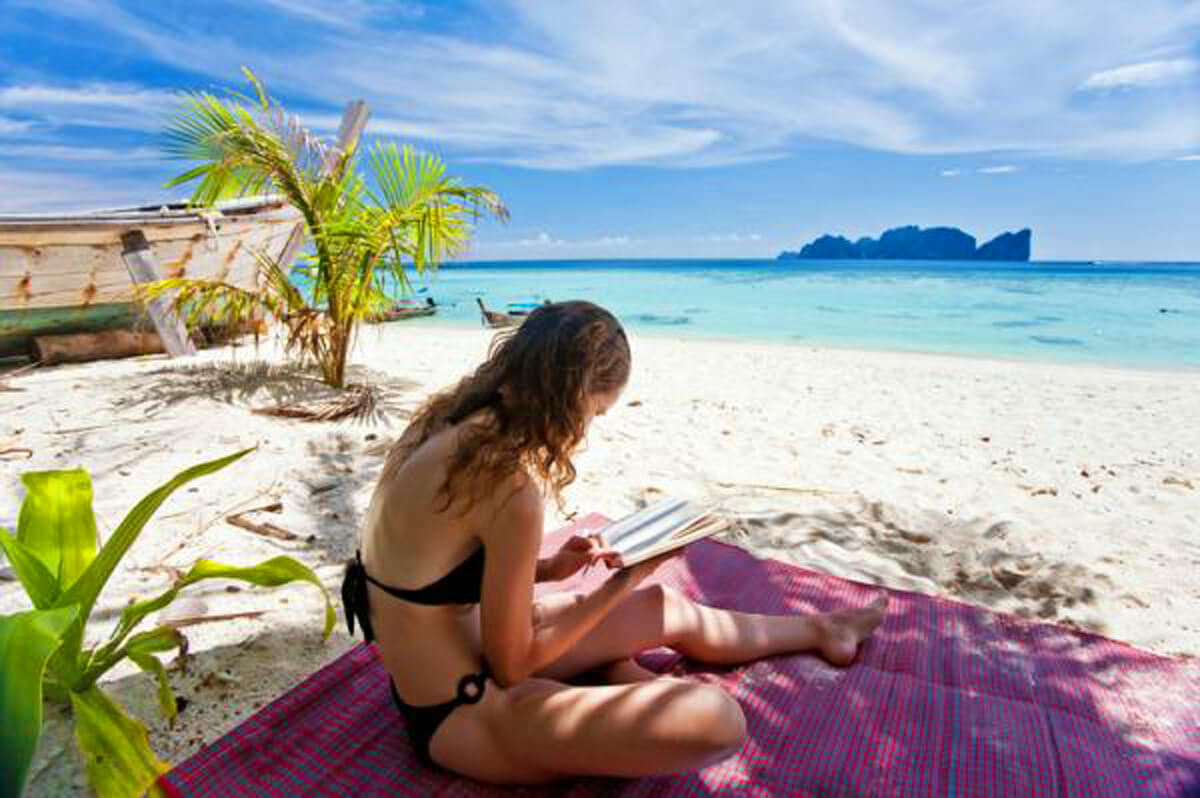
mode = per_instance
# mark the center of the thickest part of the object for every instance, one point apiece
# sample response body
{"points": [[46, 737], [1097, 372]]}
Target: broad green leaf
{"points": [[27, 640], [56, 522], [120, 762], [269, 573], [166, 699], [86, 589], [40, 585], [163, 638]]}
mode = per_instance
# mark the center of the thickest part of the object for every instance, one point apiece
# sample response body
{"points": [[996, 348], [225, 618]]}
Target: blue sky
{"points": [[639, 129]]}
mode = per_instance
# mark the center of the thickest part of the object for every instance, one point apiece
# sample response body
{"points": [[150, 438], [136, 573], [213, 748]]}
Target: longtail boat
{"points": [[496, 319], [407, 309], [70, 273]]}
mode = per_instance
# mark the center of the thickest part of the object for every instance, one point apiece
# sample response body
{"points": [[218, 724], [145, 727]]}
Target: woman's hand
{"points": [[577, 553], [635, 574]]}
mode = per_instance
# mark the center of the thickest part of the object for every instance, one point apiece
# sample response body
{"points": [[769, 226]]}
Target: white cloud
{"points": [[13, 127], [544, 239], [607, 241], [951, 172], [729, 237], [96, 104], [32, 191], [1148, 73], [344, 13], [997, 170], [1195, 157], [50, 152], [578, 84]]}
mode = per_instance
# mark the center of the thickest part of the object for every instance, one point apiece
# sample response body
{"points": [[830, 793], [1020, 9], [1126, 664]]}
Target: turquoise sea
{"points": [[1127, 314]]}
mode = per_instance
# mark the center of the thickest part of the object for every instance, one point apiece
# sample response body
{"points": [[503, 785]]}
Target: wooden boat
{"points": [[71, 273], [514, 313], [496, 319], [407, 309]]}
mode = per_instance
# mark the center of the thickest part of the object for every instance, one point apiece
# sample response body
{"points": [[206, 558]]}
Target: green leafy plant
{"points": [[42, 651], [363, 236]]}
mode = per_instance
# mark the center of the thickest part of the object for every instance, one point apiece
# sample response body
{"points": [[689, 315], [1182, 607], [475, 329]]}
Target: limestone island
{"points": [[913, 243]]}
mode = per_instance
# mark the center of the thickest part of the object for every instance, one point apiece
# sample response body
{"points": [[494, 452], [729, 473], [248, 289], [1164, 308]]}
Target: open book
{"points": [[658, 528]]}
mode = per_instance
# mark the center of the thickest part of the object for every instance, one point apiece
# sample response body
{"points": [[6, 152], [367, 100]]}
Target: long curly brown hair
{"points": [[535, 381]]}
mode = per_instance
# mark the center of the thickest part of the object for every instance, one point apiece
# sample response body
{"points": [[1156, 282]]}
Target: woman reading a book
{"points": [[485, 676]]}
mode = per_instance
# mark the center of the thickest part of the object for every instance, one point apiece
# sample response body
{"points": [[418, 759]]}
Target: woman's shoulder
{"points": [[517, 503]]}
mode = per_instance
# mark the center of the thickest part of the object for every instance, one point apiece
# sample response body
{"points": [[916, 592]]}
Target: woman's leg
{"points": [[541, 730], [659, 616]]}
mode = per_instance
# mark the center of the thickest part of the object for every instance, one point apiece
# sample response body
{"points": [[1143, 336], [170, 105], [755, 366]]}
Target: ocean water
{"points": [[1124, 314]]}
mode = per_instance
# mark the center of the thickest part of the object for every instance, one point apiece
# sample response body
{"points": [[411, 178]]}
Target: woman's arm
{"points": [[545, 571], [513, 648]]}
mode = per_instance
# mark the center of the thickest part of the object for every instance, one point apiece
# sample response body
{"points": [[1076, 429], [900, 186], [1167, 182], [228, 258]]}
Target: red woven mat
{"points": [[945, 700]]}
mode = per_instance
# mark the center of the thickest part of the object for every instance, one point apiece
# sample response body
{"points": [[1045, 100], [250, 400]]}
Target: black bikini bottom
{"points": [[423, 722]]}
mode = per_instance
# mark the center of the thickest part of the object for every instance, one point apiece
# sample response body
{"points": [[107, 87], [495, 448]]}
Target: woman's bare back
{"points": [[407, 542]]}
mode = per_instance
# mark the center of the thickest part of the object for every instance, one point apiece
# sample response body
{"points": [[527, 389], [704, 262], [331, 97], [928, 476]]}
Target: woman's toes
{"points": [[842, 632]]}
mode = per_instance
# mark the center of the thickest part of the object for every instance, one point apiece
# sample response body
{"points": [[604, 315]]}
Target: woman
{"points": [[444, 584]]}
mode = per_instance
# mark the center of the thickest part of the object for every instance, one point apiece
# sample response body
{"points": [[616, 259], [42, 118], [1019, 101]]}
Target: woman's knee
{"points": [[717, 722], [679, 617]]}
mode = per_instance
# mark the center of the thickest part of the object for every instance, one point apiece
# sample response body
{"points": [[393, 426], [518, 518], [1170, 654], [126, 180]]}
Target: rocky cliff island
{"points": [[913, 243]]}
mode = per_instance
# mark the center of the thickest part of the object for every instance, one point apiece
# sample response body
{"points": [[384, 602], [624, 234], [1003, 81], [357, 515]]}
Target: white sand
{"points": [[1065, 493]]}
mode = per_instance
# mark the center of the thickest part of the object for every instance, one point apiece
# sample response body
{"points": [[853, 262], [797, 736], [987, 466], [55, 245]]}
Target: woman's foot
{"points": [[839, 633]]}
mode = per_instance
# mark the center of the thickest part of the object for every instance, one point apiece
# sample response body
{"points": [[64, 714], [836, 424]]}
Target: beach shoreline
{"points": [[668, 334], [1065, 493]]}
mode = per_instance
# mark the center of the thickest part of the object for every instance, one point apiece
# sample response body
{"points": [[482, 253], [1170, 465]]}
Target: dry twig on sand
{"points": [[358, 402], [785, 488], [6, 451], [4, 386], [267, 529]]}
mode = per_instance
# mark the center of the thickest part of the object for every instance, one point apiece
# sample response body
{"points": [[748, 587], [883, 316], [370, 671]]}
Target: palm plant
{"points": [[44, 651], [364, 233]]}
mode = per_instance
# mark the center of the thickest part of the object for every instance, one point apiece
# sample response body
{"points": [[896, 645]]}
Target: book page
{"points": [[659, 528], [645, 523]]}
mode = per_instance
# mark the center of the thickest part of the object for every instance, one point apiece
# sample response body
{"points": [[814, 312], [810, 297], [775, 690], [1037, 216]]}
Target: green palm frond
{"points": [[362, 238]]}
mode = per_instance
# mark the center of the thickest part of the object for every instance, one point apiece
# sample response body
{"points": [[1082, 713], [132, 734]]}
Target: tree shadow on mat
{"points": [[946, 697]]}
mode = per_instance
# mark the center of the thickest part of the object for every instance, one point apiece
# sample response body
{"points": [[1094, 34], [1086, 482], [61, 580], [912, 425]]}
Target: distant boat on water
{"points": [[67, 273], [514, 313], [495, 318], [407, 309]]}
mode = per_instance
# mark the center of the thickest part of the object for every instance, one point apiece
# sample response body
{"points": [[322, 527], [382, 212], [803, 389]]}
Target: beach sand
{"points": [[1070, 494]]}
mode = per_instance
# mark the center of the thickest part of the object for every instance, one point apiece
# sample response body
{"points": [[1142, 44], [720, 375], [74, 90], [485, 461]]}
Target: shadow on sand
{"points": [[259, 384]]}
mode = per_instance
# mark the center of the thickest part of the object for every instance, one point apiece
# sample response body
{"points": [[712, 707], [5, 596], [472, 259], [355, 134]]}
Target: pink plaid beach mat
{"points": [[945, 700]]}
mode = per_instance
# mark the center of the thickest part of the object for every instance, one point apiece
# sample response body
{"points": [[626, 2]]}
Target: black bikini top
{"points": [[462, 585]]}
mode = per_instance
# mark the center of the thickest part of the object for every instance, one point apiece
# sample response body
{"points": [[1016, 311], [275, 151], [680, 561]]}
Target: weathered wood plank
{"points": [[143, 268], [82, 347], [109, 234], [84, 275]]}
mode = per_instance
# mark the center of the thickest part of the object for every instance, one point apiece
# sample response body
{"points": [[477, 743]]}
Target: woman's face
{"points": [[599, 403]]}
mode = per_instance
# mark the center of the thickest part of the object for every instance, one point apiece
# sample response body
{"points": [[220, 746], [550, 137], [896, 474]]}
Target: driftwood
{"points": [[784, 488], [82, 347], [19, 372], [267, 529], [193, 620]]}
